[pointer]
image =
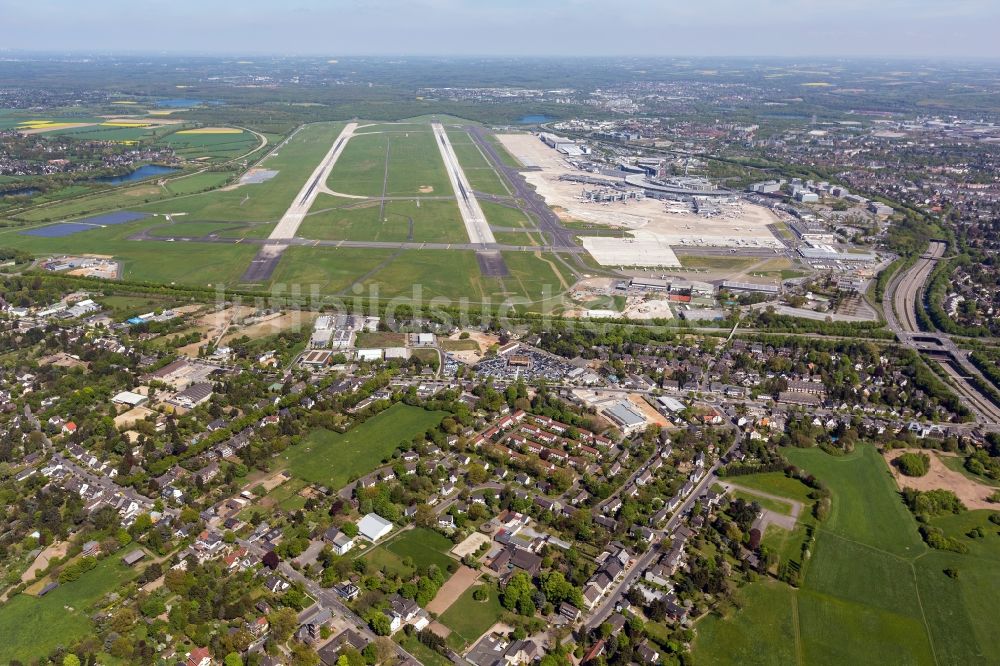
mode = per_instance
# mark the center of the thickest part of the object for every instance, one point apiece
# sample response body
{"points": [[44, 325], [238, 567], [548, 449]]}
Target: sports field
{"points": [[411, 551], [468, 619], [333, 459], [872, 591], [31, 627]]}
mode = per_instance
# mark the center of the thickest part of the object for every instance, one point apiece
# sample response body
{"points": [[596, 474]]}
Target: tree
{"points": [[303, 655], [71, 660], [283, 622], [233, 659], [380, 623], [518, 595]]}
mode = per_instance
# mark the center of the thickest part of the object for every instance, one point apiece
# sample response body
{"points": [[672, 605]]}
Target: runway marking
{"points": [[475, 221], [290, 221]]}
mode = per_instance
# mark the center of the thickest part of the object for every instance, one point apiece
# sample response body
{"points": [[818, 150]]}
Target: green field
{"points": [[152, 261], [411, 550], [332, 459], [424, 654], [214, 146], [505, 216], [432, 221], [783, 508], [468, 619], [872, 591], [480, 173], [332, 269], [391, 160], [31, 627]]}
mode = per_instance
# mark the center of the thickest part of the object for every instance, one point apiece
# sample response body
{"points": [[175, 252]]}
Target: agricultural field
{"points": [[411, 550], [333, 459], [213, 143], [469, 619], [63, 612], [872, 591], [392, 161]]}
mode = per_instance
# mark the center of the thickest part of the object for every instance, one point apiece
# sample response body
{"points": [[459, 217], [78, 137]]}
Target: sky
{"points": [[846, 28]]}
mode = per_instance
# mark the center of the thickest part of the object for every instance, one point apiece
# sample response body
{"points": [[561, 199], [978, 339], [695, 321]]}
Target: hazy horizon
{"points": [[928, 29]]}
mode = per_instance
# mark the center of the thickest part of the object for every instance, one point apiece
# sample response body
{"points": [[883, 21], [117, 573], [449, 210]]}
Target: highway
{"points": [[899, 307], [476, 224], [290, 221], [910, 287]]}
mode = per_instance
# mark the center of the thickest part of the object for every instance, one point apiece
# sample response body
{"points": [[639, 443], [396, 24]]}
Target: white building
{"points": [[373, 527]]}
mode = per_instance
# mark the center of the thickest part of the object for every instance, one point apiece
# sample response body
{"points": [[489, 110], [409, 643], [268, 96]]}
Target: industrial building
{"points": [[827, 253], [626, 416], [562, 145], [752, 287]]}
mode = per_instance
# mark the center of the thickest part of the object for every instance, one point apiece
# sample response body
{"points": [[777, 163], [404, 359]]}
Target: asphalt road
{"points": [[548, 221], [899, 306]]}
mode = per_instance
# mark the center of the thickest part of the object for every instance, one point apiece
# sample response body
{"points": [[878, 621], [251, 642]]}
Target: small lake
{"points": [[534, 119], [143, 172], [23, 192]]}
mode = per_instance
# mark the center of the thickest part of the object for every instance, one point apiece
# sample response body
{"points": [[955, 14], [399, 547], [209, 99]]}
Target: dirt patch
{"points": [[453, 588], [129, 418], [470, 544], [939, 477], [439, 629], [270, 482], [43, 559], [651, 414], [425, 189], [272, 325]]}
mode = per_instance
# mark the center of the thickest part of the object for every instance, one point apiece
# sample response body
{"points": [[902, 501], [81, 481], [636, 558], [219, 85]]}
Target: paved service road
{"points": [[472, 214], [290, 221]]}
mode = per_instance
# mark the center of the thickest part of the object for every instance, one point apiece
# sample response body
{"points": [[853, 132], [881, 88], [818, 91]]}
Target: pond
{"points": [[147, 171], [534, 119], [22, 192]]}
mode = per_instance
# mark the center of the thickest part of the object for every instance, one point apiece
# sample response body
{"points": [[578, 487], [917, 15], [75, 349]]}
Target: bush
{"points": [[913, 464], [935, 538], [925, 504]]}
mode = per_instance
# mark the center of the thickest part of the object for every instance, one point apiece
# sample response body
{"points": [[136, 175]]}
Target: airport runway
{"points": [[476, 224], [548, 221], [290, 221]]}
